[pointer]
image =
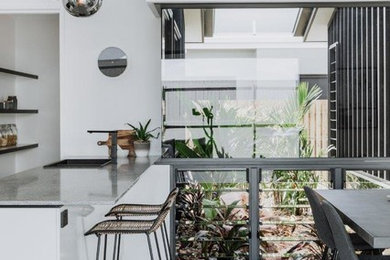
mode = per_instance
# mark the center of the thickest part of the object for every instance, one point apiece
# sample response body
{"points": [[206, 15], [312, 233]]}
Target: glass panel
{"points": [[236, 101]]}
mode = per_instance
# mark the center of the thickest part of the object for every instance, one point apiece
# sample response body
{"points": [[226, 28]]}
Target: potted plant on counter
{"points": [[143, 136]]}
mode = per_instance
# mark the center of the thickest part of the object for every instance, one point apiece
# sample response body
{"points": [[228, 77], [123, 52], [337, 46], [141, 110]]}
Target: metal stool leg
{"points": [[334, 254], [150, 247], [157, 245], [98, 248], [167, 239], [119, 246], [325, 253], [105, 247], [114, 249], [165, 245]]}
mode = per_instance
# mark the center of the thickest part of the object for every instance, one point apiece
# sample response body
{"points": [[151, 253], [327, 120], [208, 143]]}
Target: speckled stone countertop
{"points": [[87, 186]]}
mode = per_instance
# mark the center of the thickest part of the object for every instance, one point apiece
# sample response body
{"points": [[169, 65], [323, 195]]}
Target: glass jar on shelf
{"points": [[14, 134], [3, 136]]}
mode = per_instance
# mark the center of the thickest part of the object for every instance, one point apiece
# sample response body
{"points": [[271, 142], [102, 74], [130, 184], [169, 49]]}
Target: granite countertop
{"points": [[57, 187]]}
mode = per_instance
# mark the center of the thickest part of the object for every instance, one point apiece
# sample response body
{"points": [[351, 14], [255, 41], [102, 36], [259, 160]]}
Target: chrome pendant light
{"points": [[82, 8]]}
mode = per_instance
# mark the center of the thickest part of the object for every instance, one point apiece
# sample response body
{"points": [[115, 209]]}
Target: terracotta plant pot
{"points": [[141, 148]]}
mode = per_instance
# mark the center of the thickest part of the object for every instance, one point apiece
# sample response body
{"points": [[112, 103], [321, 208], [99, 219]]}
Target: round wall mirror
{"points": [[112, 62], [82, 8]]}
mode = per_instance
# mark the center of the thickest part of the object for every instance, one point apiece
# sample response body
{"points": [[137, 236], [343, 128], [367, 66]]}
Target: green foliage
{"points": [[292, 182], [217, 224], [297, 106], [195, 148], [289, 191], [206, 114], [356, 183], [190, 202], [142, 132]]}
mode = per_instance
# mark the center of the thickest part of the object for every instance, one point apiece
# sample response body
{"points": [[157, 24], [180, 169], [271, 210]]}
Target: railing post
{"points": [[172, 217], [337, 176], [254, 220]]}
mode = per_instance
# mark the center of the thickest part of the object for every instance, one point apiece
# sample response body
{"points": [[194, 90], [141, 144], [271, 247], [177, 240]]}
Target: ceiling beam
{"points": [[204, 4]]}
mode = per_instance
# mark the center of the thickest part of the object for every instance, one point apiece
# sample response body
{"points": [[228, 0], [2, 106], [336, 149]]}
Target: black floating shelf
{"points": [[19, 147], [18, 111], [18, 73]]}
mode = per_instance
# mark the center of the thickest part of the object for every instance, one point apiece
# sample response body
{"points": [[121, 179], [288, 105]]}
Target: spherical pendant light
{"points": [[82, 8]]}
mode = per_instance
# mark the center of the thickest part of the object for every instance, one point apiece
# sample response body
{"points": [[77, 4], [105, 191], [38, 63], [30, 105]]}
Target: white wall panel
{"points": [[90, 100], [30, 6]]}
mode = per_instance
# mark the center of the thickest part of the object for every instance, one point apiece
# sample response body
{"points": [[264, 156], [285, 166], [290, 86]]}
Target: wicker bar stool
{"points": [[127, 210], [121, 227], [137, 210], [128, 227]]}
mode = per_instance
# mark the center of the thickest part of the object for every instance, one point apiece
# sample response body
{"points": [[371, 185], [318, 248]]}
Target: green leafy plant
{"points": [[357, 183], [222, 224], [298, 105], [210, 227], [205, 147], [289, 185], [142, 132]]}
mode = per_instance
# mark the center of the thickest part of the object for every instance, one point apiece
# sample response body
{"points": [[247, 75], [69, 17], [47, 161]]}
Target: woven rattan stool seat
{"points": [[149, 227], [134, 210], [121, 227], [129, 210]]}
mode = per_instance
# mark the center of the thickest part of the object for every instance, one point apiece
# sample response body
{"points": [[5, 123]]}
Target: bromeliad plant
{"points": [[210, 227], [142, 133]]}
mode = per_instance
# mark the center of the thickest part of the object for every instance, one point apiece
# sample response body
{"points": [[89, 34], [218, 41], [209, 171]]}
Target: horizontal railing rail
{"points": [[280, 163], [336, 167]]}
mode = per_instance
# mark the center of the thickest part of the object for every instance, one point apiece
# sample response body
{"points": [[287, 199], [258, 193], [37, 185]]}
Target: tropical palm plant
{"points": [[294, 181], [295, 109]]}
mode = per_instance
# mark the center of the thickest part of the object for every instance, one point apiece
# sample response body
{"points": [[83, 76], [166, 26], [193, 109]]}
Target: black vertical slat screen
{"points": [[362, 39], [387, 70], [364, 92], [173, 30], [343, 91]]}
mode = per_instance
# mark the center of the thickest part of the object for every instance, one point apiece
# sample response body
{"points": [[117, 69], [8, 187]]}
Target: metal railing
{"points": [[254, 169]]}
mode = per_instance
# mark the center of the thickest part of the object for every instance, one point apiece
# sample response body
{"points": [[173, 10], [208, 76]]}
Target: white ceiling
{"points": [[254, 21]]}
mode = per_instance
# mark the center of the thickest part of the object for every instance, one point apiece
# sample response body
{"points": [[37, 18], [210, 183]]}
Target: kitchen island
{"points": [[44, 212]]}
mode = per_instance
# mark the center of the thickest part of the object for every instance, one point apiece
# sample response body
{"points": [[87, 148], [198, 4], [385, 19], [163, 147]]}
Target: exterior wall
{"points": [[361, 82]]}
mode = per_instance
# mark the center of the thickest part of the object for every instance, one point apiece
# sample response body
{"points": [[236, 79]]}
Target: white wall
{"points": [[311, 60], [90, 100], [7, 82], [29, 6], [30, 43], [248, 21], [37, 51]]}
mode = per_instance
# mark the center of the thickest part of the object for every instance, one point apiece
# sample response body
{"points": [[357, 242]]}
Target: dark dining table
{"points": [[367, 212]]}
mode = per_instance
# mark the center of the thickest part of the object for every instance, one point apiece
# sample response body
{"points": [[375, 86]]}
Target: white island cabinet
{"points": [[44, 213], [30, 233]]}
